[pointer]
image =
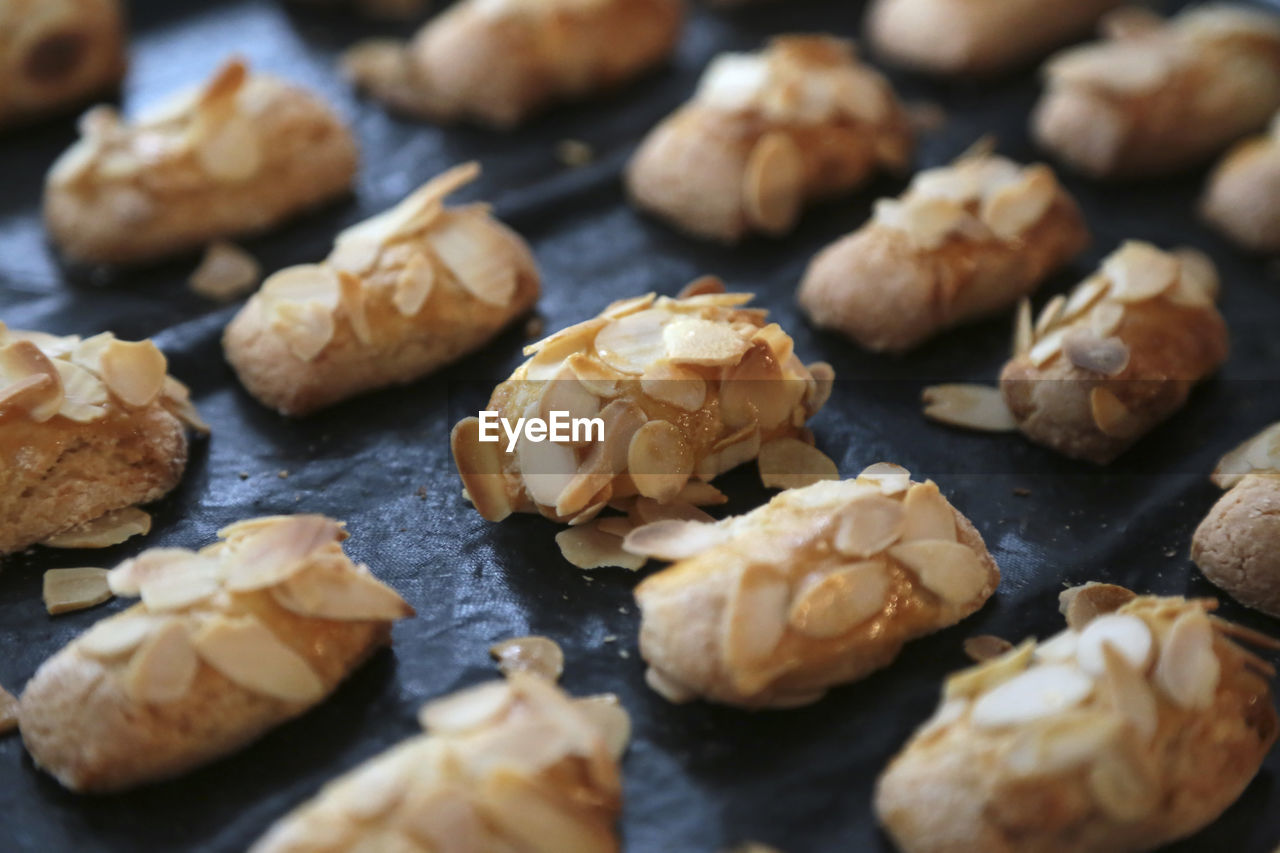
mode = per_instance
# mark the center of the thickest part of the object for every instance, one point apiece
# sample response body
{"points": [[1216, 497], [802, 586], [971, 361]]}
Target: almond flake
{"points": [[605, 712], [659, 460], [1012, 210], [624, 307], [225, 273], [824, 377], [104, 531], [1039, 692], [1111, 416], [1049, 347], [1107, 356], [334, 589], [594, 375], [978, 407], [66, 590], [891, 479], [868, 525], [1126, 68], [117, 635], [467, 710], [928, 514], [277, 551], [833, 603], [605, 459], [1198, 276], [230, 151], [650, 511], [773, 183], [1122, 790], [355, 254], [986, 647], [84, 394], [133, 371], [1024, 336], [126, 579], [729, 452], [1131, 696], [478, 255], [1050, 315], [181, 583], [950, 570], [788, 463], [546, 468], [539, 656], [674, 385], [564, 393], [980, 679], [588, 547], [30, 380], [247, 652], [1084, 297], [1060, 648], [755, 618], [480, 467], [1259, 453], [754, 391], [1188, 668], [1139, 271], [675, 539], [689, 340], [1124, 633], [514, 802], [351, 301], [1061, 744], [1105, 318], [698, 493], [162, 669], [634, 342], [1082, 604], [176, 398]]}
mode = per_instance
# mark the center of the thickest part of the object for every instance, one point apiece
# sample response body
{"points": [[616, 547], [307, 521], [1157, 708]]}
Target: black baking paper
{"points": [[697, 778]]}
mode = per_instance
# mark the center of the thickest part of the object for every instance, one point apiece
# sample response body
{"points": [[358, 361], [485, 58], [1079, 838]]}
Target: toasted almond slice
{"points": [[605, 712], [698, 493], [225, 84], [707, 284], [117, 635], [355, 254], [1082, 604], [928, 514], [690, 340], [1131, 696], [605, 459], [66, 590], [104, 531], [675, 539], [1013, 209], [176, 398], [834, 603], [1188, 668], [1105, 318], [1084, 297], [755, 392], [307, 328], [229, 150], [351, 298], [594, 375], [659, 460], [29, 394], [549, 354], [480, 466], [162, 669], [1061, 744], [1107, 356], [1048, 347], [1110, 416], [1125, 68], [950, 570], [478, 255], [755, 617], [976, 680], [1123, 789], [1024, 336], [588, 547], [1198, 276], [334, 589], [985, 647], [773, 183], [891, 479], [1259, 453], [824, 377], [1123, 633], [467, 710], [134, 371], [868, 525], [980, 407], [778, 341], [513, 802], [1037, 693], [8, 711], [247, 652], [21, 362], [1060, 648], [649, 511], [788, 463], [729, 452], [634, 342], [1050, 315], [546, 468], [181, 583], [623, 307], [539, 656], [303, 284], [127, 578], [618, 525], [1139, 271], [674, 385], [226, 272], [276, 551], [84, 395]]}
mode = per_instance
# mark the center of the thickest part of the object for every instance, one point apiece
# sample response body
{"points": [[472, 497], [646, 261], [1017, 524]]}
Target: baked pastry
{"points": [[964, 241], [241, 155], [87, 427], [401, 294], [227, 642], [683, 390], [821, 586], [961, 37], [1163, 97], [1123, 733], [497, 62], [1103, 367], [55, 54], [1237, 546], [1242, 198], [767, 133], [507, 765]]}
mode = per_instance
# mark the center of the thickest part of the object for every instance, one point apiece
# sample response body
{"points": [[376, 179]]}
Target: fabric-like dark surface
{"points": [[697, 778]]}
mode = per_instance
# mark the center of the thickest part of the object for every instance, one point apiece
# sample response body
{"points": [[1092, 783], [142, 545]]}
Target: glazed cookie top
{"points": [[44, 376]]}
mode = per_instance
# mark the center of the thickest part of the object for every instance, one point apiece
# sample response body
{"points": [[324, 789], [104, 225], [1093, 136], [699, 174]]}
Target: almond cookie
{"points": [[767, 133], [963, 242], [684, 389], [496, 62], [227, 643], [57, 53], [401, 295], [87, 427], [821, 586], [1161, 97], [1242, 199], [511, 765], [240, 155], [1102, 367], [1237, 546], [963, 37], [1123, 733]]}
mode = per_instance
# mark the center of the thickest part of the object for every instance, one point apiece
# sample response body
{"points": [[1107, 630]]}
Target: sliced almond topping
{"points": [[176, 398], [30, 394], [134, 371], [162, 669], [624, 307], [332, 588], [480, 466], [928, 514], [1050, 315], [868, 525], [593, 374], [513, 802], [303, 284], [225, 273], [1188, 669], [979, 679], [247, 652], [1124, 68], [675, 539], [1024, 336], [779, 342], [950, 570], [979, 407], [181, 583], [707, 284], [1060, 648], [103, 531], [634, 342], [754, 391], [1047, 348], [1130, 694], [756, 616], [1112, 417], [606, 713], [891, 479], [698, 493], [229, 149], [1259, 453], [1015, 208], [85, 396], [66, 590], [1139, 271], [1082, 604], [1107, 356], [356, 253], [351, 300], [127, 578], [729, 452], [1122, 788], [605, 459], [117, 635], [674, 385], [1105, 318], [773, 183], [985, 647], [1084, 297], [1198, 283], [650, 511], [788, 463], [689, 340], [588, 547], [467, 710], [539, 656], [824, 377], [277, 551], [1039, 692], [478, 255], [618, 525], [1061, 744], [659, 460], [833, 603], [30, 381], [307, 328], [1125, 634], [546, 468]]}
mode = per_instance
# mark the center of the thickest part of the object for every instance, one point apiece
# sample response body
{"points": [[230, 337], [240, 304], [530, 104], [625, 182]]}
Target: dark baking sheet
{"points": [[697, 778]]}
